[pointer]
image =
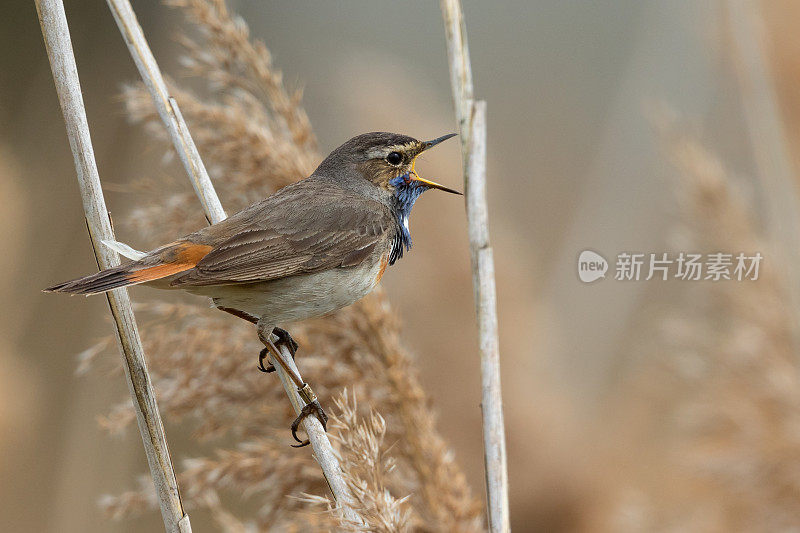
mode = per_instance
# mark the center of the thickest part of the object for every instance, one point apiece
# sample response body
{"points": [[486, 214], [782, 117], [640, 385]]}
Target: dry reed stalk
{"points": [[55, 31], [253, 141], [471, 116]]}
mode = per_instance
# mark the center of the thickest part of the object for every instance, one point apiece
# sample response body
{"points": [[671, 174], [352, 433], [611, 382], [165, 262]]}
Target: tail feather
{"points": [[163, 262], [103, 281]]}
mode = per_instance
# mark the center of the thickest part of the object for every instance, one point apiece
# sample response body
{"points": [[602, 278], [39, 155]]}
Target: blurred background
{"points": [[630, 125]]}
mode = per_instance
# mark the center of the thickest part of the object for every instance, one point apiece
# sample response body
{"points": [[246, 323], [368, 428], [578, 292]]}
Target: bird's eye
{"points": [[394, 158]]}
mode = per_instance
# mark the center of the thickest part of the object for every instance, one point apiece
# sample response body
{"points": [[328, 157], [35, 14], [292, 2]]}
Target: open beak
{"points": [[432, 184]]}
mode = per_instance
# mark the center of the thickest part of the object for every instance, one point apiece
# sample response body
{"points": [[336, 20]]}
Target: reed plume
{"points": [[713, 378], [255, 137]]}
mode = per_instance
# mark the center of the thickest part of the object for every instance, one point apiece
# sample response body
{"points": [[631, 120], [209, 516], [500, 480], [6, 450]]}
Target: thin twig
{"points": [[471, 117], [184, 145], [53, 21]]}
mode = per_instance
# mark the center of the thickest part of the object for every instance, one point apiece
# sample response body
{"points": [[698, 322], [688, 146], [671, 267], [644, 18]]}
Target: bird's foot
{"points": [[312, 406], [284, 339]]}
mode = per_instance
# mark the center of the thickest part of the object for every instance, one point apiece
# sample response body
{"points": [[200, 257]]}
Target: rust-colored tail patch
{"points": [[165, 261], [179, 258]]}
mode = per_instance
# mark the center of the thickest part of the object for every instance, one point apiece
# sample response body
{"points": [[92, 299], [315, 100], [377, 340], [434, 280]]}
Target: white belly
{"points": [[297, 297]]}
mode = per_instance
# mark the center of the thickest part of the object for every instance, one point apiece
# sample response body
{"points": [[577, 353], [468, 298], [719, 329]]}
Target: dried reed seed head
{"points": [[255, 137], [716, 381]]}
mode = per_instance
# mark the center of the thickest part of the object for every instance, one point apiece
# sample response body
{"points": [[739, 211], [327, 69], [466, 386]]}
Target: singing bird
{"points": [[312, 247]]}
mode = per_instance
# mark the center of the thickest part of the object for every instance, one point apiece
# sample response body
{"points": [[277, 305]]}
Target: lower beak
{"points": [[432, 184], [428, 183]]}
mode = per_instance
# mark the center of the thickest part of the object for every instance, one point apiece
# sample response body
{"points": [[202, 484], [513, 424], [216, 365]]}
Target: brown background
{"points": [[573, 164]]}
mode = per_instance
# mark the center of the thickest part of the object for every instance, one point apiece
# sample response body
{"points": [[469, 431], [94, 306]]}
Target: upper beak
{"points": [[430, 144], [433, 184]]}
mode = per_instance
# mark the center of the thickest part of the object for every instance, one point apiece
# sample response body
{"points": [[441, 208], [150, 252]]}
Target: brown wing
{"points": [[303, 229]]}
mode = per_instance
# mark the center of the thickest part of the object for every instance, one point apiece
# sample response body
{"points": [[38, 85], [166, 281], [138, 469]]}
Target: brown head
{"points": [[384, 159]]}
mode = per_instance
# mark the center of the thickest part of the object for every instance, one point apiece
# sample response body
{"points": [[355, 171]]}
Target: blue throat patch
{"points": [[406, 193]]}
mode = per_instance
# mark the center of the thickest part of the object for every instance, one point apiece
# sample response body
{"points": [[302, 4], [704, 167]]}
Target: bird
{"points": [[312, 247]]}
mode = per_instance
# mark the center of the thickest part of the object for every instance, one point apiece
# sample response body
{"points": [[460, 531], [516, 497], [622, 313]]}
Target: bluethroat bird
{"points": [[312, 247]]}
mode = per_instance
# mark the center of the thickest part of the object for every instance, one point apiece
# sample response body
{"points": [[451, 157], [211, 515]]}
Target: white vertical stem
{"points": [[184, 145], [53, 21], [471, 117], [460, 68], [483, 281]]}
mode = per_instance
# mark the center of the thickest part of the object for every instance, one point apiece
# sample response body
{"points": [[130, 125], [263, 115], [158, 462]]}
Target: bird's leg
{"points": [[312, 405], [263, 353], [284, 338], [239, 314]]}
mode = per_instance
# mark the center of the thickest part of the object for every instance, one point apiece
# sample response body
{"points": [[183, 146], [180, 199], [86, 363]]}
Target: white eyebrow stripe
{"points": [[383, 152], [376, 153]]}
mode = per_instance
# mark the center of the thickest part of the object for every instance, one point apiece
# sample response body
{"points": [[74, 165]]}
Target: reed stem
{"points": [[471, 116], [55, 31]]}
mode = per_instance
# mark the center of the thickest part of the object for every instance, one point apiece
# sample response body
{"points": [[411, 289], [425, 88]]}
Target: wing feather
{"points": [[299, 231]]}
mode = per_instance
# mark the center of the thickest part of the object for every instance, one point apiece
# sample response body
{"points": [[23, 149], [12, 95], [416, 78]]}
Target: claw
{"points": [[261, 356], [314, 408], [285, 339]]}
